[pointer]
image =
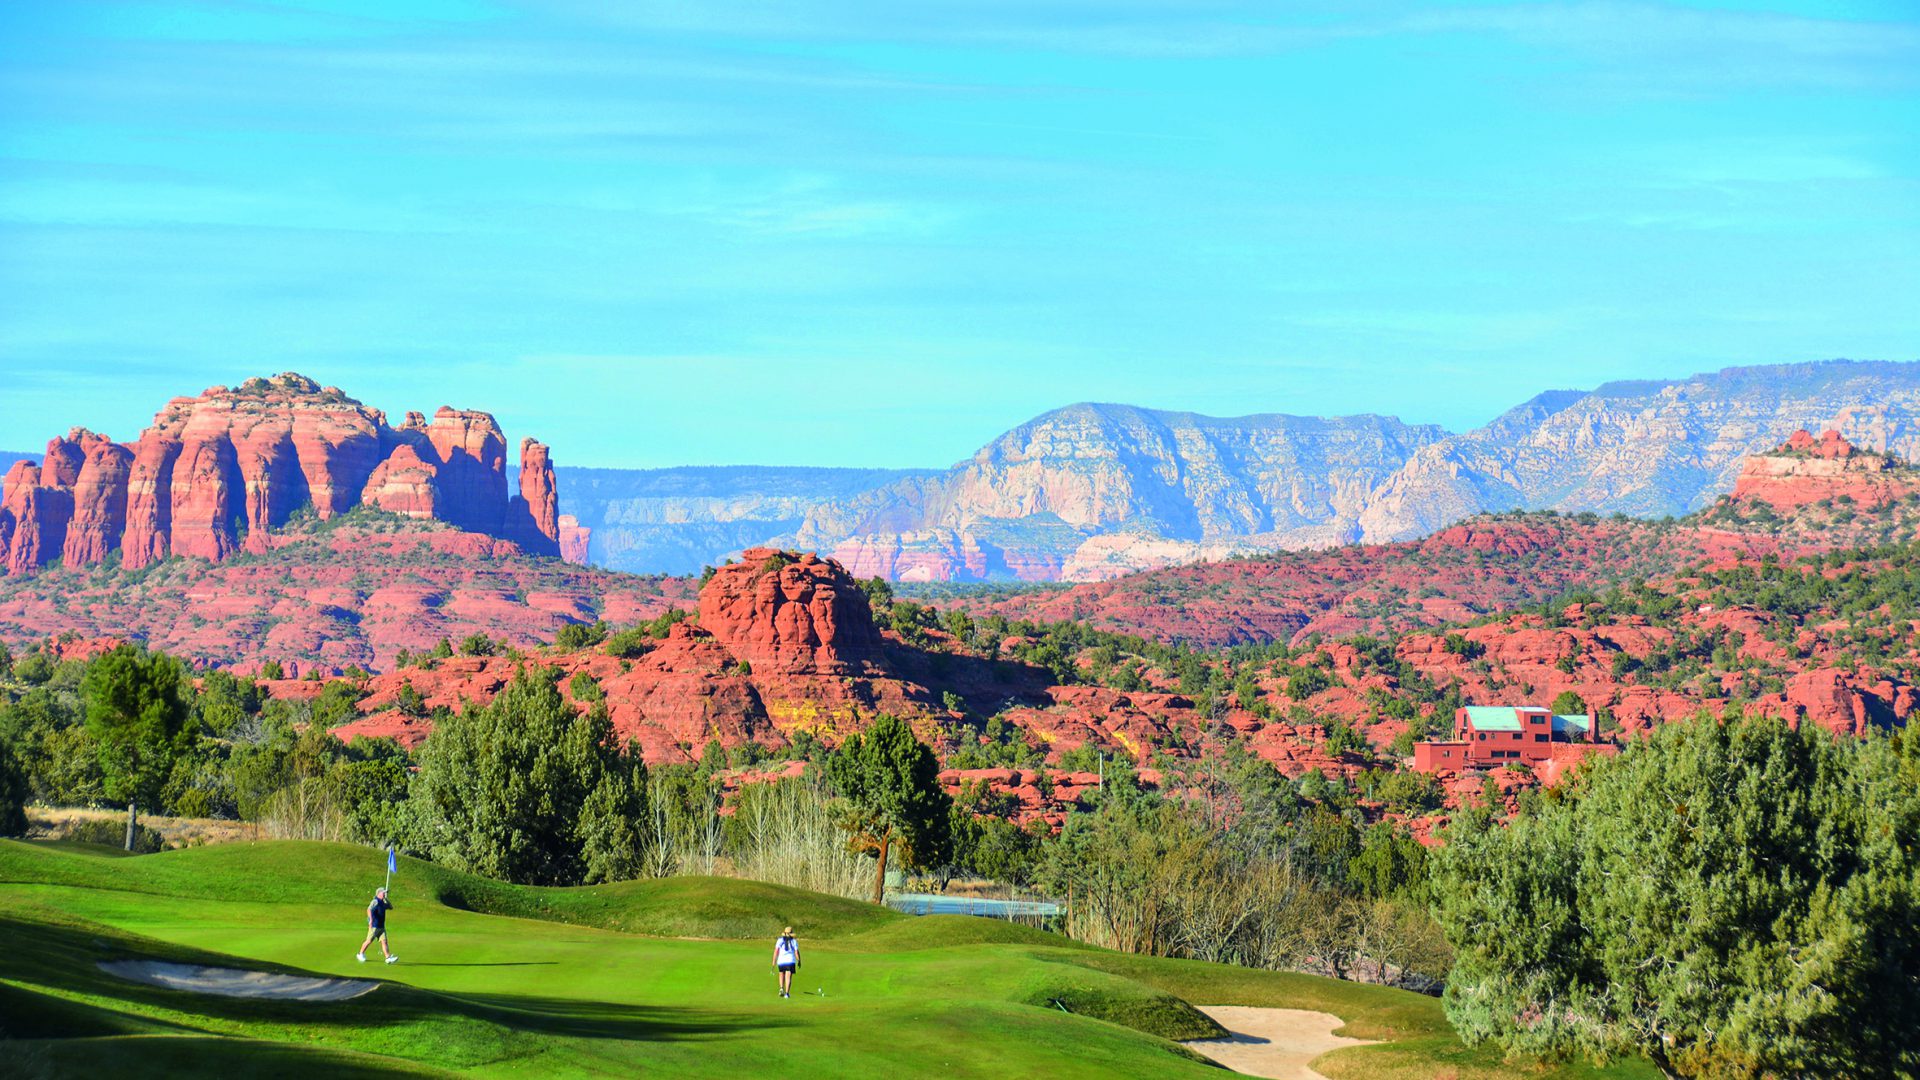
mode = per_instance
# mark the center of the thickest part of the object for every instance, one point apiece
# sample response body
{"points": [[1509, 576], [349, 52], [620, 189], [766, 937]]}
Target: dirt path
{"points": [[1275, 1043], [233, 982]]}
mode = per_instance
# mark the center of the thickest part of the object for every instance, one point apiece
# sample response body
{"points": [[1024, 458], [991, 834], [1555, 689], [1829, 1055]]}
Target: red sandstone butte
{"points": [[789, 613], [1805, 470], [231, 466]]}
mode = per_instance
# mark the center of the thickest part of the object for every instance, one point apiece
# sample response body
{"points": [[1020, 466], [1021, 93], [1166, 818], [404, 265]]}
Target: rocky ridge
{"points": [[353, 591], [1026, 505], [1098, 491], [220, 473]]}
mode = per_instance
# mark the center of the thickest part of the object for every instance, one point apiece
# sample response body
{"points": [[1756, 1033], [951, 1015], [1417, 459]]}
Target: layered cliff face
{"points": [[677, 520], [1805, 471], [1095, 491], [1643, 448], [1024, 506], [219, 473]]}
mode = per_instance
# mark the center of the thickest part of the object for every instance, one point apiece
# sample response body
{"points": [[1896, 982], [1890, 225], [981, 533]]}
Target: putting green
{"points": [[665, 978]]}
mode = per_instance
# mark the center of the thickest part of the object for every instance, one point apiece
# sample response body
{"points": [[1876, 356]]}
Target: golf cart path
{"points": [[1275, 1043], [233, 982]]}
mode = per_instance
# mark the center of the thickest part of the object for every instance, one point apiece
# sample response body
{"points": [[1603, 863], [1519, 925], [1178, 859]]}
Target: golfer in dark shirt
{"points": [[377, 926]]}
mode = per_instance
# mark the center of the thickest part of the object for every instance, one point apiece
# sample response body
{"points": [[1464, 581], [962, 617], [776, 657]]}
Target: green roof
{"points": [[1573, 722], [1493, 718]]}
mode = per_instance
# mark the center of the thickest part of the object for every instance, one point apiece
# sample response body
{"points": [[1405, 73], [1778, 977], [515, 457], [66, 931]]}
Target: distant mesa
{"points": [[1096, 491], [1805, 470], [217, 474]]}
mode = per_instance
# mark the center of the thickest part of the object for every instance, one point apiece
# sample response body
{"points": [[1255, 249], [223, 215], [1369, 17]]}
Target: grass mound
{"points": [[948, 931], [343, 874], [683, 907]]}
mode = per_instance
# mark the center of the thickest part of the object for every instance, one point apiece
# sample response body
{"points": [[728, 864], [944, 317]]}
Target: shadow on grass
{"points": [[60, 993], [482, 963]]}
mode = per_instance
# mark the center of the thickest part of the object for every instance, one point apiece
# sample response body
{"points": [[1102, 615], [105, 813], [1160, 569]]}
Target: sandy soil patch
{"points": [[1275, 1043], [233, 982]]}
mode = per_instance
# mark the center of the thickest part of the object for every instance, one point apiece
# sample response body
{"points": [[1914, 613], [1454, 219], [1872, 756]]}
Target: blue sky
{"points": [[850, 233]]}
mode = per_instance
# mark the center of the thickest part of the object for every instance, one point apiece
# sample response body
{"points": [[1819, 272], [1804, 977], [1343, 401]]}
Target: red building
{"points": [[1486, 736]]}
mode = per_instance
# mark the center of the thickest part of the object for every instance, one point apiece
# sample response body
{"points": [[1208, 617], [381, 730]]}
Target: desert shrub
{"points": [[112, 832]]}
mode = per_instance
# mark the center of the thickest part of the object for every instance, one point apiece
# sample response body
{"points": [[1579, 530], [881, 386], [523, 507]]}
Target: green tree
{"points": [[409, 701], [1732, 898], [478, 645], [138, 719], [576, 636], [892, 786], [13, 792], [1569, 703], [530, 790]]}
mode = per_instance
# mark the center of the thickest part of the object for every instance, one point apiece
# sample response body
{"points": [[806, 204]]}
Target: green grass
{"points": [[667, 978]]}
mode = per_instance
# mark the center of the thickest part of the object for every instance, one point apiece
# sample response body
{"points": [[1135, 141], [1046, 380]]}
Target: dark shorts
{"points": [[788, 968], [376, 931]]}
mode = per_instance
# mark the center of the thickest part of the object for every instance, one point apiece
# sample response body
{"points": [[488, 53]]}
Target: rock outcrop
{"points": [[1805, 470], [533, 516], [221, 472], [790, 613], [574, 539], [33, 519], [99, 501]]}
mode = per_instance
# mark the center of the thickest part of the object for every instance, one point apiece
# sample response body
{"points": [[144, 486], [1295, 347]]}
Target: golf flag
{"points": [[391, 865]]}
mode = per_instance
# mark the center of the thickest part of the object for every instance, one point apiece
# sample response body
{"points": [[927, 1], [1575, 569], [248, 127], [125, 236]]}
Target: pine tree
{"points": [[530, 790], [137, 716], [1731, 898], [891, 782]]}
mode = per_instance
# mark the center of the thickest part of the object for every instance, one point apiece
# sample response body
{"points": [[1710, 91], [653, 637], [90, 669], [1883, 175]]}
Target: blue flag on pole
{"points": [[391, 867]]}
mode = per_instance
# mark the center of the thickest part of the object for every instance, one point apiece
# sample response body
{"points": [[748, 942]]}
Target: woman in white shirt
{"points": [[786, 960]]}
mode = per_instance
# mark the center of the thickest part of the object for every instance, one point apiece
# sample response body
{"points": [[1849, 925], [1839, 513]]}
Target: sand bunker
{"points": [[232, 982], [1275, 1043]]}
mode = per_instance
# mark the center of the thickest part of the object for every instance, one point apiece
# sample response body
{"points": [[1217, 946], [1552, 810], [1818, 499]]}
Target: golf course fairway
{"points": [[667, 977]]}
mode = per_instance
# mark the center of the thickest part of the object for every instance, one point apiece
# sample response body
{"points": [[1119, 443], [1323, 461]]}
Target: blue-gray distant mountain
{"points": [[674, 521], [1643, 448], [1090, 491], [1082, 490]]}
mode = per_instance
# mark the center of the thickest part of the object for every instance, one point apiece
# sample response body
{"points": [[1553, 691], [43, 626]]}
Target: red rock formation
{"points": [[403, 484], [533, 516], [207, 500], [233, 466], [574, 538], [1806, 470], [472, 471], [798, 614], [37, 515], [149, 532], [99, 503], [64, 457]]}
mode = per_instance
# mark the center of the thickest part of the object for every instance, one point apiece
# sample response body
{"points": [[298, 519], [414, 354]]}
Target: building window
{"points": [[1541, 737]]}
